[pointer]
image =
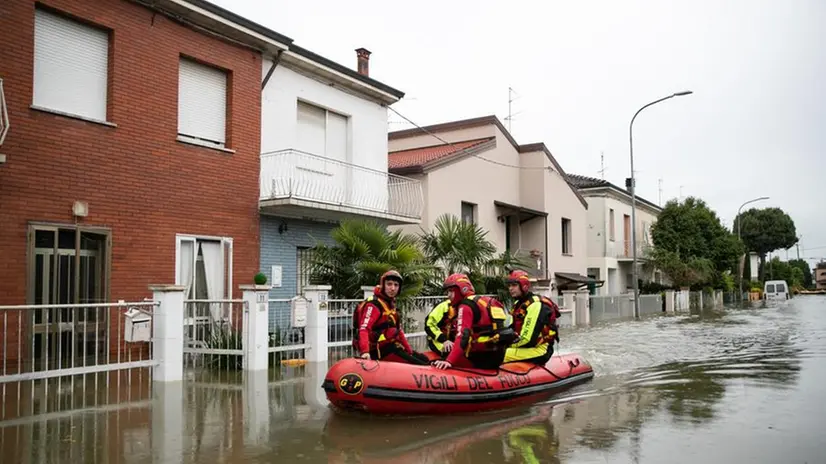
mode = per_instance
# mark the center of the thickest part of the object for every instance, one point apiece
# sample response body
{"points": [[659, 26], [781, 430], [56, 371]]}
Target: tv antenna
{"points": [[512, 96], [602, 165], [660, 200]]}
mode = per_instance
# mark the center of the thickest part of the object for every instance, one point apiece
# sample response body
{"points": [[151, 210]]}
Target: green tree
{"points": [[766, 230], [691, 245], [364, 250], [781, 270], [805, 270], [455, 246]]}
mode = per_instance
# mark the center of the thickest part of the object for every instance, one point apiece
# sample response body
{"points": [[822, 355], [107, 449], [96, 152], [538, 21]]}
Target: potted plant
{"points": [[260, 279]]}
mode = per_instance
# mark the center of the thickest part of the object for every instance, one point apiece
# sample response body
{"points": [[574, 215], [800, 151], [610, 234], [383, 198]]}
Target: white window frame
{"points": [[202, 103], [70, 67], [226, 250], [327, 112]]}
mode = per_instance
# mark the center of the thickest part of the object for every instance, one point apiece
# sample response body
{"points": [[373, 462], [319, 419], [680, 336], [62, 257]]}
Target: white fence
{"points": [[58, 340], [168, 333]]}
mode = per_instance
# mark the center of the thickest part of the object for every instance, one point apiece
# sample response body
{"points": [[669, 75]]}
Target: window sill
{"points": [[72, 116], [569, 255], [198, 143]]}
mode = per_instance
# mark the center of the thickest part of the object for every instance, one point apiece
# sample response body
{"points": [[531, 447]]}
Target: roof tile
{"points": [[417, 157]]}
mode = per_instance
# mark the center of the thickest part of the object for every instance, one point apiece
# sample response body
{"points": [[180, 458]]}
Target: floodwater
{"points": [[740, 385]]}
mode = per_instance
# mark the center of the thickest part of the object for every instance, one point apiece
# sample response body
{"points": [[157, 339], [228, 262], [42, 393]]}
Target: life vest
{"points": [[388, 318], [446, 323], [550, 329], [483, 337]]}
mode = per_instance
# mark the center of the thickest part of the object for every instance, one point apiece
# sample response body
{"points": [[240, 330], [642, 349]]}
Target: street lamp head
{"points": [[683, 93]]}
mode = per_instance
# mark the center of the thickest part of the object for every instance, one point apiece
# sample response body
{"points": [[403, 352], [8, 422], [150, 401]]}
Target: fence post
{"points": [[700, 296], [669, 301], [583, 306], [315, 334], [168, 336], [569, 302], [254, 336], [368, 291]]}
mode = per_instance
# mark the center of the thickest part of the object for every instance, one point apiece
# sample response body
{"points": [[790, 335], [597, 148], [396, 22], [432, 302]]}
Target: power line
{"points": [[457, 148]]}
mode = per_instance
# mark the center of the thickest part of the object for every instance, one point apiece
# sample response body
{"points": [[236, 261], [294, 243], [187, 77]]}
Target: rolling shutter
{"points": [[70, 66], [202, 102]]}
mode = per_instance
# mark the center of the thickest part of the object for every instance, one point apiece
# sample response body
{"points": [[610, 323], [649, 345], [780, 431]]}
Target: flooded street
{"points": [[741, 385]]}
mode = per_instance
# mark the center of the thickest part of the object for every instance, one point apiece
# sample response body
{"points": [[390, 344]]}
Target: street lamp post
{"points": [[634, 198], [739, 220]]}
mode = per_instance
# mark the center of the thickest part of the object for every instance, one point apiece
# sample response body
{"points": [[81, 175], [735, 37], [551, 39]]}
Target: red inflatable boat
{"points": [[397, 388]]}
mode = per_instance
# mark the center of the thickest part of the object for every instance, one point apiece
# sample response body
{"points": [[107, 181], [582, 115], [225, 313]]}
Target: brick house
{"points": [[133, 153]]}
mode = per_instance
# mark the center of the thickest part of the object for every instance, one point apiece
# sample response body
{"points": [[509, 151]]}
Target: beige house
{"points": [[475, 170], [610, 252]]}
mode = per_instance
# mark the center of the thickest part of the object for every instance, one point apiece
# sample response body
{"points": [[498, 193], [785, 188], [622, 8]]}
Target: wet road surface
{"points": [[740, 385]]}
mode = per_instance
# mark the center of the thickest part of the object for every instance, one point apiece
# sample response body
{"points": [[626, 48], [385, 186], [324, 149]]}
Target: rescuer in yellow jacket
{"points": [[534, 319], [441, 328]]}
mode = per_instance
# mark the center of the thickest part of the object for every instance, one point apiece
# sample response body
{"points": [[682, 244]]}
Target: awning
{"points": [[573, 281], [524, 214]]}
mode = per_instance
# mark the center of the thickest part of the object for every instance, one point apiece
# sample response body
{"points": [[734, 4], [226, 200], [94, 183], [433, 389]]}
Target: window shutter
{"points": [[70, 66], [202, 102], [336, 137], [311, 129]]}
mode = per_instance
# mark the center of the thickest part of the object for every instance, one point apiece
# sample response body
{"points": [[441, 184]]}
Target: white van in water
{"points": [[775, 290]]}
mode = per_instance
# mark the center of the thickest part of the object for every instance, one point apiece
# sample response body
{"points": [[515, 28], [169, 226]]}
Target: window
{"points": [[302, 266], [566, 236], [67, 265], [468, 213], [202, 104], [322, 132], [71, 66], [611, 228], [204, 267]]}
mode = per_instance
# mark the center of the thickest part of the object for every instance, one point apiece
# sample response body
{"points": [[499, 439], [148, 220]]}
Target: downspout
{"points": [[275, 62], [547, 268]]}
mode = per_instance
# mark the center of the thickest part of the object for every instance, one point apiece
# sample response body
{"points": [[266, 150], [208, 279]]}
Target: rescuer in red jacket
{"points": [[377, 330], [481, 335]]}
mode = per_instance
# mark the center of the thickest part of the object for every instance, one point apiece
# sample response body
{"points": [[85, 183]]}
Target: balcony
{"points": [[304, 185], [626, 252]]}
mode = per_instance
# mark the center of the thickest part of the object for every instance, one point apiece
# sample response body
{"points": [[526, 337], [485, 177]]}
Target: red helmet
{"points": [[462, 283], [522, 278]]}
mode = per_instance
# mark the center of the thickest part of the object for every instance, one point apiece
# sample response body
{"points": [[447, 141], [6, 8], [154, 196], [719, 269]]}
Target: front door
{"points": [[68, 268]]}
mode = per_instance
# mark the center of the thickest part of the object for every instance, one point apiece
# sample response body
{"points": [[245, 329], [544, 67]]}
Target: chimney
{"points": [[363, 55]]}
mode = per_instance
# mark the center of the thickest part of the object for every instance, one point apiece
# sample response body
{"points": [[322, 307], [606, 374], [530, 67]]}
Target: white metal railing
{"points": [[304, 176], [283, 337], [626, 251], [213, 333], [56, 340], [4, 114]]}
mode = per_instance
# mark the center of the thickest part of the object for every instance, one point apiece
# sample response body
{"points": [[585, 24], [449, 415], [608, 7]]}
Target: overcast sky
{"points": [[581, 69]]}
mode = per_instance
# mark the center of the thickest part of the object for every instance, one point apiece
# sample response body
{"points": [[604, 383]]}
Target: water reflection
{"points": [[656, 380]]}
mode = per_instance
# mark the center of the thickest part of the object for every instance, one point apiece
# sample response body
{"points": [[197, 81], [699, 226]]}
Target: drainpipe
{"points": [[547, 255], [275, 62]]}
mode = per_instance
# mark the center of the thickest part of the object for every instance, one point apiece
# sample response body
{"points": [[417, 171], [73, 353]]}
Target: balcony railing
{"points": [[293, 174], [626, 251]]}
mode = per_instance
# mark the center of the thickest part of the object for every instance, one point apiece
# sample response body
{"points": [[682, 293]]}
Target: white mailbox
{"points": [[137, 325], [298, 310]]}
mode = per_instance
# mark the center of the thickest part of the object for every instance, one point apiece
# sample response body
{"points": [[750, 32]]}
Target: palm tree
{"points": [[364, 250], [456, 246]]}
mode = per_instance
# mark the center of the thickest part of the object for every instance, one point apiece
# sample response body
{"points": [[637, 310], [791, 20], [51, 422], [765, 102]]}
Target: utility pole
{"points": [[681, 193]]}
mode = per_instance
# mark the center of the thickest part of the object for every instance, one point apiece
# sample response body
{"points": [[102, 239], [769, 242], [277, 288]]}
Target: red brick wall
{"points": [[136, 178]]}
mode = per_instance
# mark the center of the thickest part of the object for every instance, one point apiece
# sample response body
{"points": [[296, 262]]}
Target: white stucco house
{"points": [[610, 254], [518, 193], [323, 160]]}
